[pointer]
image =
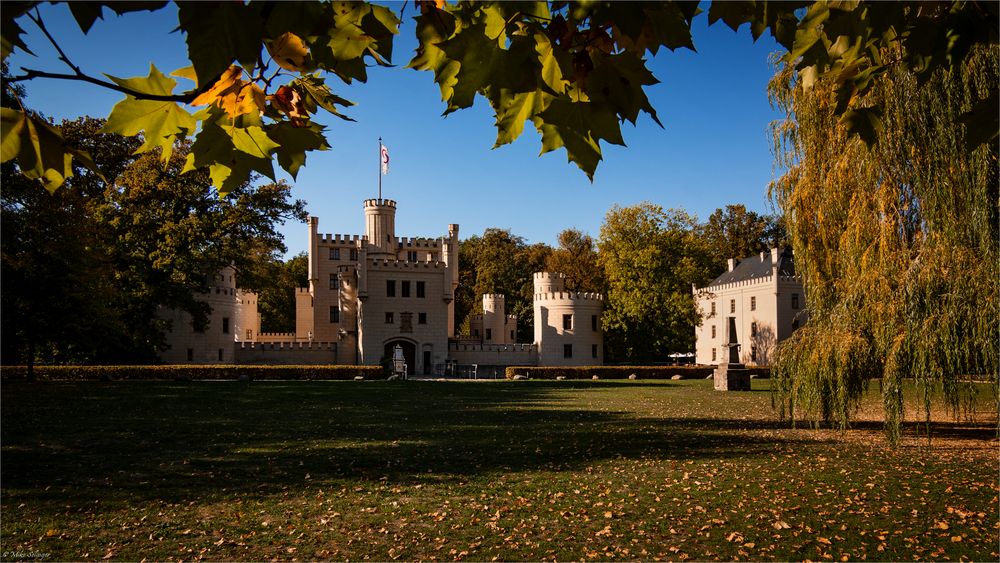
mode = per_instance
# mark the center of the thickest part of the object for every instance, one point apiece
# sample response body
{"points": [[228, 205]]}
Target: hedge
{"points": [[622, 372], [192, 373]]}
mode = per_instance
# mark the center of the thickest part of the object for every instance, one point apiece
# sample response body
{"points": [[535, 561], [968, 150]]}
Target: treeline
{"points": [[644, 261], [85, 268]]}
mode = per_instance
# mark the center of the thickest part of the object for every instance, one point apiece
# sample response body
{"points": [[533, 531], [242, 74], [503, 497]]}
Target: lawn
{"points": [[528, 470]]}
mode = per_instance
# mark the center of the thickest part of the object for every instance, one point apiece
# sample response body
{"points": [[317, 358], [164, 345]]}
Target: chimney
{"points": [[775, 253], [762, 254], [732, 264]]}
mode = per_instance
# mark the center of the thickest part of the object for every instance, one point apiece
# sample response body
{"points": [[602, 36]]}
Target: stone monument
{"points": [[732, 376]]}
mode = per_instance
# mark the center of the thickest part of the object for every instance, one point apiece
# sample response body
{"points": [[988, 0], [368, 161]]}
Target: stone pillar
{"points": [[732, 376]]}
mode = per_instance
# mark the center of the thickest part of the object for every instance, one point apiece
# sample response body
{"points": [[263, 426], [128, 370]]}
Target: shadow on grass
{"points": [[173, 441]]}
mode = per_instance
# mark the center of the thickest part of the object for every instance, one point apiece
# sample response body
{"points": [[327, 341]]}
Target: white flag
{"points": [[385, 160]]}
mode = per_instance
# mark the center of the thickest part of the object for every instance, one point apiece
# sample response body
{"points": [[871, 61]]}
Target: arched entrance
{"points": [[409, 352]]}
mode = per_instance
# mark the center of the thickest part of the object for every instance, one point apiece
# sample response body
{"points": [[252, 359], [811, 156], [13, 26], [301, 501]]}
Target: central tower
{"points": [[380, 227]]}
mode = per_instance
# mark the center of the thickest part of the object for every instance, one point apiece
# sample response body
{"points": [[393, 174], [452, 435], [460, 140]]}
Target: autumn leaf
{"points": [[290, 52]]}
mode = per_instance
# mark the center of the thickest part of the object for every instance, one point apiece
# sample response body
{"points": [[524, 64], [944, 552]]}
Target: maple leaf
{"points": [[161, 122]]}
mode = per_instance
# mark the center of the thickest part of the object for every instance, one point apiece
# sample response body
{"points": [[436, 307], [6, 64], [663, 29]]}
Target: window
{"points": [[567, 350], [732, 305], [220, 354], [593, 350], [512, 336], [795, 324], [334, 314], [411, 256], [593, 322], [753, 353], [713, 331], [390, 288], [406, 288], [753, 303], [489, 334], [406, 322], [249, 334], [567, 322], [475, 333], [190, 354], [334, 254], [713, 307], [225, 325], [354, 254], [713, 354], [753, 329], [388, 319], [421, 287], [334, 281], [422, 318], [795, 301]]}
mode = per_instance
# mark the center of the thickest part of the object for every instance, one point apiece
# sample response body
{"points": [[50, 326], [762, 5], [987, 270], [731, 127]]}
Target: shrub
{"points": [[192, 373], [622, 372]]}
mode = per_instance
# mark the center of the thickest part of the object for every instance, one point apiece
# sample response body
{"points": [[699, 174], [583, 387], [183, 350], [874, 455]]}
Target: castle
{"points": [[765, 297], [369, 293]]}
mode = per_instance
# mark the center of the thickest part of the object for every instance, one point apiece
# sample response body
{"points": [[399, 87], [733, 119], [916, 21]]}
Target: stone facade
{"points": [[369, 293], [765, 297]]}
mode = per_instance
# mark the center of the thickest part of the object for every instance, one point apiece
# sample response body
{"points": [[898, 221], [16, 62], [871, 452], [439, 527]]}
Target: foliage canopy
{"points": [[575, 70]]}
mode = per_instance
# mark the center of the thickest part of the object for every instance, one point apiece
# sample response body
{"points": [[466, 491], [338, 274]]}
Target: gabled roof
{"points": [[755, 267]]}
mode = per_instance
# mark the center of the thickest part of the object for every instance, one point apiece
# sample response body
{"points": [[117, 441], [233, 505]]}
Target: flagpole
{"points": [[380, 167]]}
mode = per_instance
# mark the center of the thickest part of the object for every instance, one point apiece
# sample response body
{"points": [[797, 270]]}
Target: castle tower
{"points": [[380, 227], [549, 282], [494, 319], [567, 324], [450, 255]]}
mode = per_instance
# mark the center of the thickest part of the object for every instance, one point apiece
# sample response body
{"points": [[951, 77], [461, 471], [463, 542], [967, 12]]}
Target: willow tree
{"points": [[896, 240]]}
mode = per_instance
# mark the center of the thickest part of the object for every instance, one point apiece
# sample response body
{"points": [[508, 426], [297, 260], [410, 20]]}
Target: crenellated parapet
{"points": [[760, 280], [380, 203], [461, 346], [288, 346], [343, 239], [394, 264], [569, 296], [418, 242]]}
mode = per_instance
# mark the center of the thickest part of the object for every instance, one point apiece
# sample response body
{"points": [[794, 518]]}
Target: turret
{"points": [[494, 319], [380, 227], [549, 282], [313, 252]]}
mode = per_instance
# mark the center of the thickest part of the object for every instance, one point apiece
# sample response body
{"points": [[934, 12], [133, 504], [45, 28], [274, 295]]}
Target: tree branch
{"points": [[79, 75]]}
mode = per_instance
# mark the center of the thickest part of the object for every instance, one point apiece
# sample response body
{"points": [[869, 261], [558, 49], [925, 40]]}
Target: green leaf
{"points": [[10, 31], [162, 122], [251, 140], [480, 62], [218, 33], [229, 167], [295, 143], [315, 92], [41, 151], [513, 110], [618, 80], [578, 126], [12, 122], [866, 123]]}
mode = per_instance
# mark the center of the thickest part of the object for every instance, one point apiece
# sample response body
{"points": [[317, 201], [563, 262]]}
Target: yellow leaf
{"points": [[221, 86], [956, 539], [289, 51], [823, 540], [247, 99], [942, 525], [186, 72]]}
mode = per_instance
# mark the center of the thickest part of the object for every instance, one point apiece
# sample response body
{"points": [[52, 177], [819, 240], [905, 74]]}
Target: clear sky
{"points": [[713, 150]]}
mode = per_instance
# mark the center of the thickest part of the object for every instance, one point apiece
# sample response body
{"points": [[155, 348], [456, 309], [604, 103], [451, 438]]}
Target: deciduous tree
{"points": [[576, 256], [897, 242]]}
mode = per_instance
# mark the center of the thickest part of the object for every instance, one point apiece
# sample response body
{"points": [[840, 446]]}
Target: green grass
{"points": [[529, 470]]}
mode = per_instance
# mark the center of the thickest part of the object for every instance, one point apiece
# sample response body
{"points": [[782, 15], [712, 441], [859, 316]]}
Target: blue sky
{"points": [[713, 150]]}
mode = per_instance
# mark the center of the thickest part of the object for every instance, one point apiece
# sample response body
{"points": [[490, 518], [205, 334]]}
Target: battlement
{"points": [[283, 336], [380, 203], [493, 296], [750, 282], [339, 239], [302, 290], [548, 276], [288, 346], [392, 263], [466, 346], [418, 242], [569, 296]]}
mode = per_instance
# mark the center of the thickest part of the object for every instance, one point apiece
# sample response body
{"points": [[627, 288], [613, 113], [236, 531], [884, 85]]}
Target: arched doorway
{"points": [[409, 352]]}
